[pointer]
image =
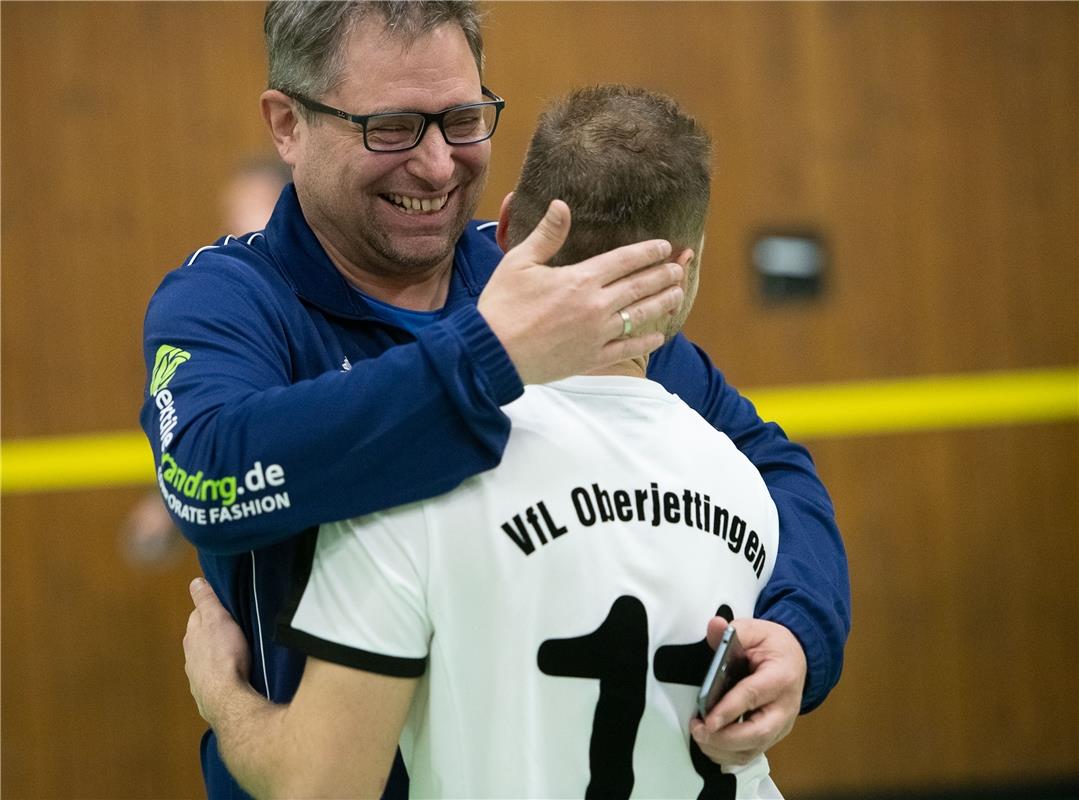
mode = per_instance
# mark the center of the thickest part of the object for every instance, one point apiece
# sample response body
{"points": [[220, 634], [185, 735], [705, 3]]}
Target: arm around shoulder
{"points": [[335, 739], [248, 403], [809, 591]]}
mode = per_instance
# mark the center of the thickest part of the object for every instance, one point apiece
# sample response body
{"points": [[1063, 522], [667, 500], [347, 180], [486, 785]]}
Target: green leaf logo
{"points": [[166, 362]]}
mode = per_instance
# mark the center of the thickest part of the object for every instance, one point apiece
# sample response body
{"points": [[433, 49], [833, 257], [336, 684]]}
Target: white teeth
{"points": [[415, 204]]}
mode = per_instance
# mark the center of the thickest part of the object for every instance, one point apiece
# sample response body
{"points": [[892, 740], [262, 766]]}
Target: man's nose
{"points": [[432, 158]]}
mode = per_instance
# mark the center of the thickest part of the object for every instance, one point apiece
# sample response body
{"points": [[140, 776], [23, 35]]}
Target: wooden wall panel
{"points": [[121, 121], [962, 660], [936, 147], [94, 695]]}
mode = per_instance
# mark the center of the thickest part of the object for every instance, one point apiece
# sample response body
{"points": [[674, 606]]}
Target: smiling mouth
{"points": [[417, 205]]}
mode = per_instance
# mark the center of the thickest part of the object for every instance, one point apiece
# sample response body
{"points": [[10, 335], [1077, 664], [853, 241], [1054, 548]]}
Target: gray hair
{"points": [[304, 37]]}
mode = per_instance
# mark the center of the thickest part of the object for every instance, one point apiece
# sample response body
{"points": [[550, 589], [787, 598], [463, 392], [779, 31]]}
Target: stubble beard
{"points": [[403, 259], [413, 259]]}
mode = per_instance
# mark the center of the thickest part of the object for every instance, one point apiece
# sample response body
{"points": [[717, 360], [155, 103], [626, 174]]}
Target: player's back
{"points": [[568, 592]]}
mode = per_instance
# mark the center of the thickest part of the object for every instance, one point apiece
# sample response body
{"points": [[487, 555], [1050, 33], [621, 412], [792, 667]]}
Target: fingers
{"points": [[632, 347], [719, 748], [743, 740], [642, 284], [748, 695], [615, 264], [651, 313], [750, 737], [549, 235]]}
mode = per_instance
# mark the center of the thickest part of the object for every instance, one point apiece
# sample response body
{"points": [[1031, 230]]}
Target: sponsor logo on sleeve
{"points": [[166, 362], [192, 495], [231, 497]]}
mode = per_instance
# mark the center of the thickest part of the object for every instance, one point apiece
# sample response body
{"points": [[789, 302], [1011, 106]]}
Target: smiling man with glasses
{"points": [[387, 200], [356, 355]]}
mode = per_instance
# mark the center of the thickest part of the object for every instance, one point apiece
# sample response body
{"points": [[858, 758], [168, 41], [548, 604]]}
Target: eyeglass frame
{"points": [[437, 118]]}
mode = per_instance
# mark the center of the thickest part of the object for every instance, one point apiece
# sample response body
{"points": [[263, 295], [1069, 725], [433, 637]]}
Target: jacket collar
{"points": [[308, 269]]}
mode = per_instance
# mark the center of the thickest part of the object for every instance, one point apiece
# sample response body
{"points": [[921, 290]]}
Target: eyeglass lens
{"points": [[459, 125]]}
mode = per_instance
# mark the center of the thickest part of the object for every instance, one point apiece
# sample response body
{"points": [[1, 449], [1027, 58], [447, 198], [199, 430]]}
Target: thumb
{"points": [[549, 235], [202, 593], [716, 626]]}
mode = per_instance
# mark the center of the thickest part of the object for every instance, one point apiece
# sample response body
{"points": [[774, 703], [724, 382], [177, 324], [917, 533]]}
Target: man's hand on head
{"points": [[215, 651], [770, 697], [555, 323]]}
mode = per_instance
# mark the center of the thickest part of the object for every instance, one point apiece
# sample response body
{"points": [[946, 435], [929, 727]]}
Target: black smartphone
{"points": [[729, 665]]}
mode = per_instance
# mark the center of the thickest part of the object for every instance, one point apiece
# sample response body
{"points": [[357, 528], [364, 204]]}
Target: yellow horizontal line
{"points": [[83, 461], [922, 404], [91, 461]]}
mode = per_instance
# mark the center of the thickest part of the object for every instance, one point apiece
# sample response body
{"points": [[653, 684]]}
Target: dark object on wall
{"points": [[790, 264]]}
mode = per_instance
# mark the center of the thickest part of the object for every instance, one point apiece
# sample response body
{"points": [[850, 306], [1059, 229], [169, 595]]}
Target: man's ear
{"points": [[683, 257], [280, 117], [502, 231]]}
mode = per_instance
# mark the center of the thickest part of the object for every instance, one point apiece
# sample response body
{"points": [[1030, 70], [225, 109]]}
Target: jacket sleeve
{"points": [[248, 455], [809, 591]]}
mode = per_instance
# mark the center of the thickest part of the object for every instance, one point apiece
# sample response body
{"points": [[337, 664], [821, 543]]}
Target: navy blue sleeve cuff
{"points": [[487, 354], [818, 682]]}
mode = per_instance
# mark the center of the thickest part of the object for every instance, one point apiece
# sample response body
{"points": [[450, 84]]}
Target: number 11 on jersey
{"points": [[616, 654]]}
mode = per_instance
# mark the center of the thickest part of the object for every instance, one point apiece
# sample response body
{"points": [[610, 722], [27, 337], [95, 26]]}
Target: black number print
{"points": [[687, 664], [616, 654]]}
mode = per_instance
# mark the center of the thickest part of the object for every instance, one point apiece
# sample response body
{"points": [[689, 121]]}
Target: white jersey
{"points": [[556, 606]]}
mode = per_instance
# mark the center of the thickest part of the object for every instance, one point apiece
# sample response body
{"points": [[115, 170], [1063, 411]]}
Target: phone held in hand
{"points": [[729, 665]]}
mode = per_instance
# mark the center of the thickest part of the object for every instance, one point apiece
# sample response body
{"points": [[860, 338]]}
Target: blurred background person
{"points": [[248, 198]]}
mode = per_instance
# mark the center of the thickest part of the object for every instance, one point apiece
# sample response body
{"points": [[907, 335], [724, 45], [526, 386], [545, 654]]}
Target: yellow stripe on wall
{"points": [[86, 461], [922, 404], [821, 411]]}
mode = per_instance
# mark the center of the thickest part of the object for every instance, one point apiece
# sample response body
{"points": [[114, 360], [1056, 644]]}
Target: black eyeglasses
{"points": [[402, 130]]}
